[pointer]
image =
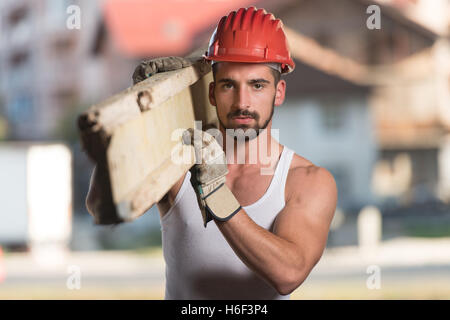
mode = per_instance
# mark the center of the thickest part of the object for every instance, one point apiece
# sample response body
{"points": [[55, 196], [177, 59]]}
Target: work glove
{"points": [[215, 199], [147, 68]]}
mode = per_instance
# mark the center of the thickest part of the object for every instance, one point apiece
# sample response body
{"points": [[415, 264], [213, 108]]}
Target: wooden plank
{"points": [[133, 136]]}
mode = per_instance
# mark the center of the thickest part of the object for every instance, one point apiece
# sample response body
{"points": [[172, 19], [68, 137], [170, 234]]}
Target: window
{"points": [[18, 15], [20, 109], [19, 75], [18, 58]]}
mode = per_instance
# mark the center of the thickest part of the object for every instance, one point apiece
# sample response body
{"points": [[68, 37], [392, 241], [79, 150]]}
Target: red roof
{"points": [[154, 27]]}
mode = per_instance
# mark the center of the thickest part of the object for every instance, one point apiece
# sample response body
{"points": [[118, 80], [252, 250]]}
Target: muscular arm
{"points": [[287, 255]]}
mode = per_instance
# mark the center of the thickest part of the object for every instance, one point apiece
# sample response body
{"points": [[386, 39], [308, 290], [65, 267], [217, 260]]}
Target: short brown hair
{"points": [[276, 74]]}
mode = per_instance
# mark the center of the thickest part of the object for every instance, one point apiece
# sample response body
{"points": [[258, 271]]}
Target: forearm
{"points": [[277, 260]]}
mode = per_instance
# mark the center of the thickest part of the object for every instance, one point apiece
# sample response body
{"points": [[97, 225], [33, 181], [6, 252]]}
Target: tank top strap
{"points": [[285, 164]]}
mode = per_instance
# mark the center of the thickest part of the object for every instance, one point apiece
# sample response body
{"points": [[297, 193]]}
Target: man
{"points": [[249, 228]]}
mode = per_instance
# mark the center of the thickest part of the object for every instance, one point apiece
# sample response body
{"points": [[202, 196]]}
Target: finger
{"points": [[149, 69], [172, 63], [182, 62], [138, 74], [185, 63]]}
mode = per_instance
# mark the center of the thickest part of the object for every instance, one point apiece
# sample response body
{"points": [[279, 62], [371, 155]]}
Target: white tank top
{"points": [[200, 264]]}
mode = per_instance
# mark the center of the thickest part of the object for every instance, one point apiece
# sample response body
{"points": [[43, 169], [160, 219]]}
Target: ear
{"points": [[212, 98], [280, 92]]}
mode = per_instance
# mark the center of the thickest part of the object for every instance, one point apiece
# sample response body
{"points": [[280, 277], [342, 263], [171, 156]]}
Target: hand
{"points": [[208, 177], [147, 68]]}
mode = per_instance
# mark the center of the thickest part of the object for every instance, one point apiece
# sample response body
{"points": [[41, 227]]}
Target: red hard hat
{"points": [[250, 35]]}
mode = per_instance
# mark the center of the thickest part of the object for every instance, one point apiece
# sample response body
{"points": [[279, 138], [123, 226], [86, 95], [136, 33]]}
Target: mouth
{"points": [[242, 119]]}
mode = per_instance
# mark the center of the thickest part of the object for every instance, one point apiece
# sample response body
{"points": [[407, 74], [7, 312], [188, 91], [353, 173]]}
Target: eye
{"points": [[227, 85], [258, 86]]}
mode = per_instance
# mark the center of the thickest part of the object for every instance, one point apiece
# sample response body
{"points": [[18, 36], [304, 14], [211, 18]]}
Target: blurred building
{"points": [[39, 59], [49, 69], [434, 14], [406, 66], [372, 106], [413, 110]]}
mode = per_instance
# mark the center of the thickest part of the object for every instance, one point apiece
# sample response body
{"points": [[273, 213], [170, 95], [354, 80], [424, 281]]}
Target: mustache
{"points": [[243, 113]]}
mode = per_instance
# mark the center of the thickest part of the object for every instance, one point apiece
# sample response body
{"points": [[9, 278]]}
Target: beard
{"points": [[250, 132]]}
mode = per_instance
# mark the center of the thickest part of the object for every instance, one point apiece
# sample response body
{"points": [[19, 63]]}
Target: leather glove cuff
{"points": [[221, 203], [215, 199]]}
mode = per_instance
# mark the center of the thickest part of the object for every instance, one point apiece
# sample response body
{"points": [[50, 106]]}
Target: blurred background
{"points": [[372, 105]]}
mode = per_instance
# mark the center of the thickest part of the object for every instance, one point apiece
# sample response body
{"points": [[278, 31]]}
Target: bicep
{"points": [[306, 218]]}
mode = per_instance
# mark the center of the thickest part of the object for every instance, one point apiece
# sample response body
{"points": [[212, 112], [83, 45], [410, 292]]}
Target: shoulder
{"points": [[306, 180]]}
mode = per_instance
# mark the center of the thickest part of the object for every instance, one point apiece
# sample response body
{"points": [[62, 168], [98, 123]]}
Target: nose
{"points": [[242, 98]]}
